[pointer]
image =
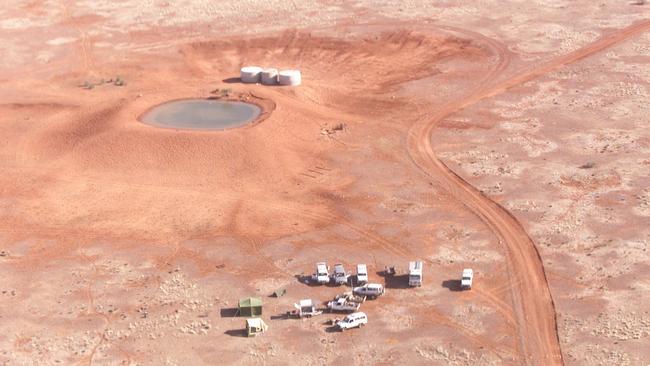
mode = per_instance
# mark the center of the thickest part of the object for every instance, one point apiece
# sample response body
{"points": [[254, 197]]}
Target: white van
{"points": [[415, 274], [372, 290], [362, 274], [352, 321]]}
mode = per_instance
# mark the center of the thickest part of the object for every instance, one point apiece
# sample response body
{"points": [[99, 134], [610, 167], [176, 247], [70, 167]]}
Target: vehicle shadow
{"points": [[452, 285], [236, 332], [236, 80], [306, 280], [395, 281], [229, 312], [233, 80], [353, 281], [283, 316], [333, 284], [332, 329]]}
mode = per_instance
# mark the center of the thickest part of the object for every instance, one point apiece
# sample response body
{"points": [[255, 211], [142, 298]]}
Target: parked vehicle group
{"points": [[339, 276], [351, 301]]}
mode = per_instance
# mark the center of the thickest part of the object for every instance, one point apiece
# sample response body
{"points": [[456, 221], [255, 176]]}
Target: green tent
{"points": [[250, 306]]}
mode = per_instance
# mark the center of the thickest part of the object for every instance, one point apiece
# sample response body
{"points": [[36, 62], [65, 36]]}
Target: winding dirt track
{"points": [[533, 303]]}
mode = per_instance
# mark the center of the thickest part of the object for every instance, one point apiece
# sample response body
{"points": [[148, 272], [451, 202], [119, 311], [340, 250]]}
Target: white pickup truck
{"points": [[415, 274], [321, 276], [340, 277], [343, 304], [362, 274]]}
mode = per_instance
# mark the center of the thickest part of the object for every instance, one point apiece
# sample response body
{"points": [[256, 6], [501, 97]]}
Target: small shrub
{"points": [[119, 81]]}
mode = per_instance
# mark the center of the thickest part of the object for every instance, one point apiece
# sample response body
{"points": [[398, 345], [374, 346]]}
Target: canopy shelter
{"points": [[255, 326], [250, 306]]}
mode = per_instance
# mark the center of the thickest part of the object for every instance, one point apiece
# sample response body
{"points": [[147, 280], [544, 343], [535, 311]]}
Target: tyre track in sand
{"points": [[533, 303]]}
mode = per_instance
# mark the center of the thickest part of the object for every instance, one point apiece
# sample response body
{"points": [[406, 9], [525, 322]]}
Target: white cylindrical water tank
{"points": [[289, 77], [270, 76], [250, 74]]}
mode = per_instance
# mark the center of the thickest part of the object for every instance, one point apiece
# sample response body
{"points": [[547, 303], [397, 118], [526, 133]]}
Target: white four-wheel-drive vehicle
{"points": [[362, 274], [352, 321], [343, 304], [322, 274], [371, 290], [339, 276], [415, 274], [466, 280]]}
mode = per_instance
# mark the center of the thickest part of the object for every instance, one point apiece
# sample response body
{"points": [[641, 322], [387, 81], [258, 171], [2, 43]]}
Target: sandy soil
{"points": [[509, 138]]}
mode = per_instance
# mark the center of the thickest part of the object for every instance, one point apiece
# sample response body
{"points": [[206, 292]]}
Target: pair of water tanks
{"points": [[254, 74]]}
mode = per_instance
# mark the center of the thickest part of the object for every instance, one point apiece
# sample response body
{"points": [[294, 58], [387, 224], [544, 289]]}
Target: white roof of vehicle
{"points": [[361, 268], [306, 303], [338, 268], [415, 267], [373, 285], [322, 266], [356, 315], [467, 272]]}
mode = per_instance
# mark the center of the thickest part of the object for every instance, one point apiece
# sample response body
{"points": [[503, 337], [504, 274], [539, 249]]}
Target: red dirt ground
{"points": [[124, 244]]}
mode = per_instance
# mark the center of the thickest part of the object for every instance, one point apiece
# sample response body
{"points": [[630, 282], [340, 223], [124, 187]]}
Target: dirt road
{"points": [[533, 304]]}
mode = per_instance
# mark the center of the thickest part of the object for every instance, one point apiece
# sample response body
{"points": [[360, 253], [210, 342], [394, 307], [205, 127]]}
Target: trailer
{"points": [[350, 296], [304, 309], [343, 304]]}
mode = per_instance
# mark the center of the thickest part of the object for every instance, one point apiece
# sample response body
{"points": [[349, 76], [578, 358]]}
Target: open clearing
{"points": [[506, 136]]}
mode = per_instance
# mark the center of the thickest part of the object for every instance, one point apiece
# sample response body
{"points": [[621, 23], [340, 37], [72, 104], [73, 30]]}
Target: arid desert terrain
{"points": [[507, 136]]}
